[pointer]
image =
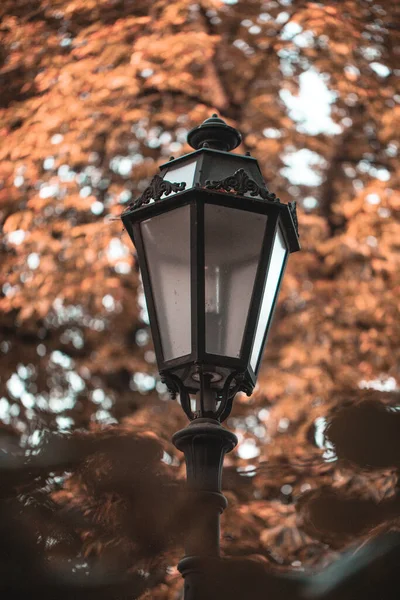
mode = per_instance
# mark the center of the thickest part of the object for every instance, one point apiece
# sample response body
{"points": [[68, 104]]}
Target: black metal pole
{"points": [[204, 442]]}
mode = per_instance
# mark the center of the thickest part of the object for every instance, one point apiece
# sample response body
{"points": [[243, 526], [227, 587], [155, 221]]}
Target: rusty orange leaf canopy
{"points": [[95, 95]]}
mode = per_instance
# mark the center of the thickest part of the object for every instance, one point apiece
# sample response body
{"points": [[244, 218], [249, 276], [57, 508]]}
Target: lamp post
{"points": [[212, 244]]}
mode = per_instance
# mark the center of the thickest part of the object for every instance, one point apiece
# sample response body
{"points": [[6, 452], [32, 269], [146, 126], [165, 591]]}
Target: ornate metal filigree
{"points": [[229, 392], [293, 212], [158, 186], [175, 386], [241, 183]]}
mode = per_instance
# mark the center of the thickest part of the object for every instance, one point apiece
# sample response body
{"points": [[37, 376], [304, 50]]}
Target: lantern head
{"points": [[212, 244]]}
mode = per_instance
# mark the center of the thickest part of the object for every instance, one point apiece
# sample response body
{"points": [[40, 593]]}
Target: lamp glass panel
{"points": [[277, 262], [232, 247], [182, 172], [166, 239]]}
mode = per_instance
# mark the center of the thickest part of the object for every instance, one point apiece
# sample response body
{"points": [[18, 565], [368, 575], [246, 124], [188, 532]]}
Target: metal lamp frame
{"points": [[242, 377]]}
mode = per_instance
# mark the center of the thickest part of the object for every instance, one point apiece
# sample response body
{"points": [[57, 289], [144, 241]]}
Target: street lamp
{"points": [[212, 244]]}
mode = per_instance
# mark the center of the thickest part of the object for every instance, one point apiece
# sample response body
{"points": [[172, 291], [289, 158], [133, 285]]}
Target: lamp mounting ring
{"points": [[214, 376]]}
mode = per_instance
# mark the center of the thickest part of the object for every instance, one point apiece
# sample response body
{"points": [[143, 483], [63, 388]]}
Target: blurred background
{"points": [[95, 95]]}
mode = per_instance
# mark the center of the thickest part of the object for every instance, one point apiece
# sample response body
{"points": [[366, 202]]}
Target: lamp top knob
{"points": [[214, 133]]}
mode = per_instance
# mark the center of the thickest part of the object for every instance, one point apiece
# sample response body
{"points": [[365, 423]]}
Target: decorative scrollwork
{"points": [[228, 393], [158, 186], [241, 183], [175, 386], [293, 212]]}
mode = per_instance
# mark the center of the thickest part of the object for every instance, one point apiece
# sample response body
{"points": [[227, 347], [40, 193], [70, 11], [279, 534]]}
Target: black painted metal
{"points": [[240, 183], [233, 384], [175, 386], [293, 212], [204, 443], [214, 133], [157, 187]]}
